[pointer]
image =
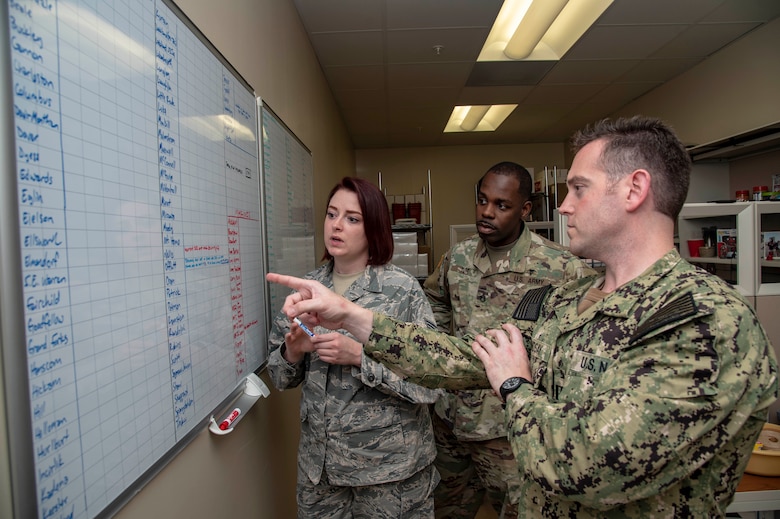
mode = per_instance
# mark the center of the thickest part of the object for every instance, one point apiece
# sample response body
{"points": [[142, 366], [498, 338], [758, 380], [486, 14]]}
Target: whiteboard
{"points": [[139, 247], [289, 203]]}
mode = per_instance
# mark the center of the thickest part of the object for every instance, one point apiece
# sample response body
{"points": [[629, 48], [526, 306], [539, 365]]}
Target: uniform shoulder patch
{"points": [[676, 310], [530, 306]]}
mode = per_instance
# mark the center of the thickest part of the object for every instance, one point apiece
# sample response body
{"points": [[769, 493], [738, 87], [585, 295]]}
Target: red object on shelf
{"points": [[415, 210], [758, 192], [693, 247], [399, 211]]}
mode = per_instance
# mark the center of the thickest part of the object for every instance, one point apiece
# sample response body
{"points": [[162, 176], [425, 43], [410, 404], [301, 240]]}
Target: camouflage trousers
{"points": [[471, 472], [411, 498]]}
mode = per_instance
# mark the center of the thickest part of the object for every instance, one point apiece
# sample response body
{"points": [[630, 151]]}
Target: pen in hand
{"points": [[303, 327]]}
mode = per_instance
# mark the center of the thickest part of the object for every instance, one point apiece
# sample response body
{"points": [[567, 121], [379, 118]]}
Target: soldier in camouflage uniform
{"points": [[478, 283], [366, 447], [639, 393]]}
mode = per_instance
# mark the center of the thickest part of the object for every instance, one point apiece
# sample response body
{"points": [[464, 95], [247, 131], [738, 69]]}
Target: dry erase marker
{"points": [[303, 327], [230, 419]]}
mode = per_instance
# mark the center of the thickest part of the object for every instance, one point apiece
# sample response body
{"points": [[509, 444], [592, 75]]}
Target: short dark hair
{"points": [[512, 169], [641, 142], [376, 218]]}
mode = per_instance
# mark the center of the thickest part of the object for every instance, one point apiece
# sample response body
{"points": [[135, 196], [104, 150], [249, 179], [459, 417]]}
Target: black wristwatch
{"points": [[510, 385]]}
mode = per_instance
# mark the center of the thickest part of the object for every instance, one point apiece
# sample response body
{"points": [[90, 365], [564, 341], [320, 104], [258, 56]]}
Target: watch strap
{"points": [[506, 391]]}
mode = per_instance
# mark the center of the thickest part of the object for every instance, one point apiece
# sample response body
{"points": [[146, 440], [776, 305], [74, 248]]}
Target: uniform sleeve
{"points": [[376, 375], [437, 291], [665, 408], [381, 377], [425, 356], [283, 374]]}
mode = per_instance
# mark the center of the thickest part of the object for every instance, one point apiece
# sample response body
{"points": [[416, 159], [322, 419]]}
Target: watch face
{"points": [[511, 383]]}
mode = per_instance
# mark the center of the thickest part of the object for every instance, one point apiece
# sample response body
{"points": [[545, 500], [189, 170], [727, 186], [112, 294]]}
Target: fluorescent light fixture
{"points": [[472, 117], [478, 118], [539, 30]]}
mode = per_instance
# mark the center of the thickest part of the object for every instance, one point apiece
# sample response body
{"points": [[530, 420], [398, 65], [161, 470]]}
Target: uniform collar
{"points": [[515, 255], [370, 281], [622, 302]]}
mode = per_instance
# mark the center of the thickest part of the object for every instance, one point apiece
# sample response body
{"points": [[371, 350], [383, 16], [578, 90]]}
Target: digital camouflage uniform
{"points": [[469, 294], [646, 405], [362, 427]]}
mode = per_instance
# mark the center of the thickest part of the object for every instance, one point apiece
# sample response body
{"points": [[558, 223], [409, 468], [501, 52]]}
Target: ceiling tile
{"points": [[658, 70], [439, 75], [415, 45], [745, 11], [623, 12], [404, 14], [349, 48], [361, 99], [587, 71], [623, 42], [550, 94], [418, 119], [619, 94], [700, 41], [344, 15], [489, 95], [370, 77], [530, 117], [422, 97], [502, 73]]}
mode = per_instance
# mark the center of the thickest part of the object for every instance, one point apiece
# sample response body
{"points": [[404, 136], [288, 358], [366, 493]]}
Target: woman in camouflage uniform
{"points": [[366, 447]]}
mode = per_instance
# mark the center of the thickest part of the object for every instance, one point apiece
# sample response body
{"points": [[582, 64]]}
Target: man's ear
{"points": [[527, 206], [638, 189]]}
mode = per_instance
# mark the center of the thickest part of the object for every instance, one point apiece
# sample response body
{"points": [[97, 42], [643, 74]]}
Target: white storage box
{"points": [[404, 248], [405, 237], [405, 260]]}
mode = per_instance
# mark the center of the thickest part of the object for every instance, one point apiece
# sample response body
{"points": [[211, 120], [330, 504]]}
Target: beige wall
{"points": [[754, 171], [454, 171], [731, 92]]}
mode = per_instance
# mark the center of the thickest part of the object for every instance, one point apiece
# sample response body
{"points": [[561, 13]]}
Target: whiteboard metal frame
{"points": [[17, 419]]}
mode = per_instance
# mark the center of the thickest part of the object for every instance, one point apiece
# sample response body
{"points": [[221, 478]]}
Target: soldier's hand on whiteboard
{"points": [[297, 343], [504, 356], [324, 307], [337, 348]]}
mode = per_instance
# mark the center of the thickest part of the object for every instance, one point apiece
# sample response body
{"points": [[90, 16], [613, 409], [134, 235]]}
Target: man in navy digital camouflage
{"points": [[640, 393], [479, 283]]}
